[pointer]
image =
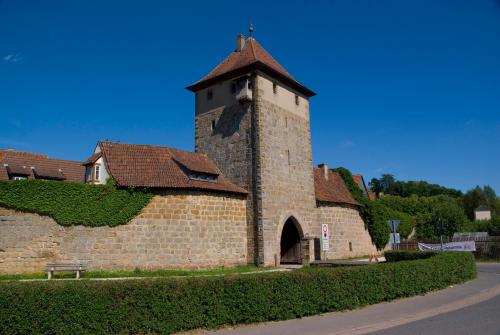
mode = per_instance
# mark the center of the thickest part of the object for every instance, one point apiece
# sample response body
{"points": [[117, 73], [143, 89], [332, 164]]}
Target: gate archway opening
{"points": [[290, 243]]}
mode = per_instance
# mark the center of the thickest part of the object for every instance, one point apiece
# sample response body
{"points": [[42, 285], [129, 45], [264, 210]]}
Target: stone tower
{"points": [[252, 119]]}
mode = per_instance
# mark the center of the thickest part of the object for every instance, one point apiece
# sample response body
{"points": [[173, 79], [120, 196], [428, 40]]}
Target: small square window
{"points": [[275, 88], [297, 100], [210, 95]]}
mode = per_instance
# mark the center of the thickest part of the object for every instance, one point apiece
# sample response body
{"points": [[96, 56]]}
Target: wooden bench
{"points": [[78, 267]]}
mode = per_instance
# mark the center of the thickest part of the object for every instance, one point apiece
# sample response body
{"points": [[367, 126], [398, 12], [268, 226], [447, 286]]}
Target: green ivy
{"points": [[165, 306], [73, 203]]}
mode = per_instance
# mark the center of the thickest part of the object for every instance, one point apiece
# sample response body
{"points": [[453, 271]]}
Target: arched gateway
{"points": [[290, 243]]}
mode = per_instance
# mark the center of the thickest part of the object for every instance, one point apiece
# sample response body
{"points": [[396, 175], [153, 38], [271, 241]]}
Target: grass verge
{"points": [[138, 273]]}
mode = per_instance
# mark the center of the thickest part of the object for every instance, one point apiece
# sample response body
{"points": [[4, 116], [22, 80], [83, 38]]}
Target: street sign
{"points": [[393, 225], [325, 237], [394, 238]]}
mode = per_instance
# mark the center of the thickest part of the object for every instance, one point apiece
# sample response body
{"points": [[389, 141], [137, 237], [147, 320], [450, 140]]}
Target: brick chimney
{"points": [[240, 42], [324, 167]]}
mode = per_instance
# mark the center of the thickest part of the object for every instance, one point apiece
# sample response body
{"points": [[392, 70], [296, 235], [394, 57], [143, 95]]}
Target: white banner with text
{"points": [[451, 246]]}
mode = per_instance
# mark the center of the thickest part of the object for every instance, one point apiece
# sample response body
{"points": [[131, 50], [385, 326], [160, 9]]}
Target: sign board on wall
{"points": [[325, 237]]}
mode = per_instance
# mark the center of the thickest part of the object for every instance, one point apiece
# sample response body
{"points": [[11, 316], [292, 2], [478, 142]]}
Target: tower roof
{"points": [[251, 56]]}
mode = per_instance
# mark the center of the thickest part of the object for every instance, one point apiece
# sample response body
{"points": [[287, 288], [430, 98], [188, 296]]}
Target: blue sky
{"points": [[410, 88]]}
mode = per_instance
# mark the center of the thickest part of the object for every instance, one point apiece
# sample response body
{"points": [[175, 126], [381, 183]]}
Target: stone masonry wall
{"points": [[285, 176], [229, 144], [176, 230], [345, 226]]}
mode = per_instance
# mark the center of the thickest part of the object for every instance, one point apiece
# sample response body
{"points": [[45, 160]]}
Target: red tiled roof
{"points": [[372, 195], [358, 179], [332, 189], [92, 159], [161, 167], [251, 54], [40, 166]]}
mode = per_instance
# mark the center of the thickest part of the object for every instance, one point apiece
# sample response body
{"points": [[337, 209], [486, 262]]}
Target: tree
{"points": [[387, 182], [375, 185], [390, 185], [476, 197], [446, 215]]}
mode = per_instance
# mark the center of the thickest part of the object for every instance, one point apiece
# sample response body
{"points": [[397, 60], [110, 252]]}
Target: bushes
{"points": [[170, 305], [447, 215], [428, 211], [73, 203], [375, 214], [396, 256]]}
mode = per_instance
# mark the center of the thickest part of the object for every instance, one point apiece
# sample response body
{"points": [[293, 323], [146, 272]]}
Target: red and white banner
{"points": [[451, 246]]}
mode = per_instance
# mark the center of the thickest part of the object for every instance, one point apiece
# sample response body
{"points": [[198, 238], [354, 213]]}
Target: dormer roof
{"points": [[137, 165]]}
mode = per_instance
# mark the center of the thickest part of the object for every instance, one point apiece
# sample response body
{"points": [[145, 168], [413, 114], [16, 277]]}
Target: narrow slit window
{"points": [[288, 156], [275, 88], [212, 125], [236, 123], [210, 95], [97, 172], [297, 100]]}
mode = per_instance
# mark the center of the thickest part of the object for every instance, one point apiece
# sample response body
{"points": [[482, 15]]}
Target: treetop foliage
{"points": [[388, 184]]}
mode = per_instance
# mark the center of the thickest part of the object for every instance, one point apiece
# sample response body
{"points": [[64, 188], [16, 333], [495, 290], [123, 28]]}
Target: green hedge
{"points": [[396, 256], [170, 305], [73, 203]]}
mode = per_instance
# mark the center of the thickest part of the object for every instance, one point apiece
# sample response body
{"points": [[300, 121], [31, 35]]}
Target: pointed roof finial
{"points": [[250, 29]]}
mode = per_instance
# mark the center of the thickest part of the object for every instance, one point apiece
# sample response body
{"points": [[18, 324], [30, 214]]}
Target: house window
{"points": [[350, 246], [233, 87], [275, 88], [288, 156], [297, 100], [18, 178], [210, 95], [97, 172], [212, 125], [202, 177], [250, 84], [88, 173]]}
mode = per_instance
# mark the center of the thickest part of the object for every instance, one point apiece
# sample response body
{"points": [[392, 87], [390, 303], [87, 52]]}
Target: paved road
{"points": [[482, 318], [470, 308]]}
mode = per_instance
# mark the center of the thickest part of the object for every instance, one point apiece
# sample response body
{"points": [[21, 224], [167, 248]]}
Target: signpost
{"points": [[325, 239], [394, 236]]}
